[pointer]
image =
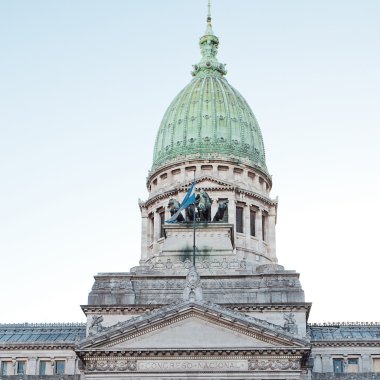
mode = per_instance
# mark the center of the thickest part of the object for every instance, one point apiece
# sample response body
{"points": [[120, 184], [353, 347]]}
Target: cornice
{"points": [[138, 309], [223, 186], [345, 343], [194, 353], [38, 346]]}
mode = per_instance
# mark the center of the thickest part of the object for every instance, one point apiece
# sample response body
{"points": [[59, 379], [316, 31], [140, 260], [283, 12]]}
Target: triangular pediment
{"points": [[209, 182], [195, 325], [191, 332]]}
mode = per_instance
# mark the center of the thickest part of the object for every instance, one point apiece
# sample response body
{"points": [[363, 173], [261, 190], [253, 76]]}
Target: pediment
{"points": [[194, 325], [209, 182], [190, 332]]}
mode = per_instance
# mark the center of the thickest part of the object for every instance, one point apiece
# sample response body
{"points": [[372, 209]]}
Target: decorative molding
{"points": [[270, 364], [140, 309], [346, 343], [111, 365], [338, 324]]}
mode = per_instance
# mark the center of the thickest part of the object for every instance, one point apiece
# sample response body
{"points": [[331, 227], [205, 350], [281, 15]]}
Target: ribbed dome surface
{"points": [[209, 119]]}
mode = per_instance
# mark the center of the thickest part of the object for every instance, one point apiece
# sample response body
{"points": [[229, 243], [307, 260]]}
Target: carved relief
{"points": [[111, 365], [96, 325], [204, 264], [274, 364], [290, 324]]}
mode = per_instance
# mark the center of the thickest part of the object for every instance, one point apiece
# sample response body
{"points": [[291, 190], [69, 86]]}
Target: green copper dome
{"points": [[209, 119]]}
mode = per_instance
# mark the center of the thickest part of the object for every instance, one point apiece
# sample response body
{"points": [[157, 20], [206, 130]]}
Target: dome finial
{"points": [[209, 48], [209, 31]]}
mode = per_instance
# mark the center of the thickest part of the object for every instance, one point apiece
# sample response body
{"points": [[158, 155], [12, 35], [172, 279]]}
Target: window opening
{"points": [[239, 219], [338, 365], [21, 368], [162, 222], [59, 367], [252, 217]]}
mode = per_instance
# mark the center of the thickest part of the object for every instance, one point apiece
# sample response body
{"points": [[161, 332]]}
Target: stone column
{"points": [[366, 363], [271, 234], [259, 229], [247, 226], [156, 232], [317, 364], [31, 366], [70, 365], [326, 365], [259, 224], [144, 233], [232, 213]]}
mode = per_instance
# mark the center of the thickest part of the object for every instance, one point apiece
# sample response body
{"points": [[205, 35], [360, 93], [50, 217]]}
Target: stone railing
{"points": [[346, 376]]}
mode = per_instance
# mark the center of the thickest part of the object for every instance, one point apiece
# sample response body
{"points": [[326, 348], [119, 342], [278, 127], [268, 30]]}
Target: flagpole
{"points": [[194, 228]]}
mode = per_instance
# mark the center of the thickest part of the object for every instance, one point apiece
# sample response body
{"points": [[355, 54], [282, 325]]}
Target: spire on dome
{"points": [[209, 31], [209, 48]]}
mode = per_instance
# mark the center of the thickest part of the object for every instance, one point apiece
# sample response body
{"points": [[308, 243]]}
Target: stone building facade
{"points": [[229, 312]]}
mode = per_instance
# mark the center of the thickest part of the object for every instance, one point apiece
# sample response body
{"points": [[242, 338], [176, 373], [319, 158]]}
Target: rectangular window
{"points": [[263, 227], [59, 367], [376, 364], [239, 219], [252, 218], [162, 222], [352, 365], [338, 365], [4, 368], [42, 367], [21, 366]]}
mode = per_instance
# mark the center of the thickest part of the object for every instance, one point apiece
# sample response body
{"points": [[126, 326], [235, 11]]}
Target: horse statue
{"points": [[204, 206], [190, 210], [222, 207], [173, 207]]}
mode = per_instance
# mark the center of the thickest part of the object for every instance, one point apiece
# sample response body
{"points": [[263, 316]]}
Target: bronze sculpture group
{"points": [[201, 207]]}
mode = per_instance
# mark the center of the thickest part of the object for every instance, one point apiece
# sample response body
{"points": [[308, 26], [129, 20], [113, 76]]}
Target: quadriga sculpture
{"points": [[173, 207], [222, 207], [204, 206]]}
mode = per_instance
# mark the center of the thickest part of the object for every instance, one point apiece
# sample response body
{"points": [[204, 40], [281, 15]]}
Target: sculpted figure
{"points": [[290, 324], [190, 211], [222, 207], [96, 325], [173, 206], [193, 288], [204, 206]]}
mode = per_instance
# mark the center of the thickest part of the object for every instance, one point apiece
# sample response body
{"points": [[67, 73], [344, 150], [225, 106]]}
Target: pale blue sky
{"points": [[83, 87]]}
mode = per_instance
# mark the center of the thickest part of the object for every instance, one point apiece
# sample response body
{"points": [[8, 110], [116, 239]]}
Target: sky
{"points": [[83, 87]]}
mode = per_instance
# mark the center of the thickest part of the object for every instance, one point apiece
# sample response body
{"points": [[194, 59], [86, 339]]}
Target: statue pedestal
{"points": [[211, 239]]}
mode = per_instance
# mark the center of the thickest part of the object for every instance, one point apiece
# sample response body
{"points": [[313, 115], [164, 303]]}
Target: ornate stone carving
{"points": [[193, 288], [206, 264], [270, 364], [290, 324], [111, 365], [96, 325]]}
